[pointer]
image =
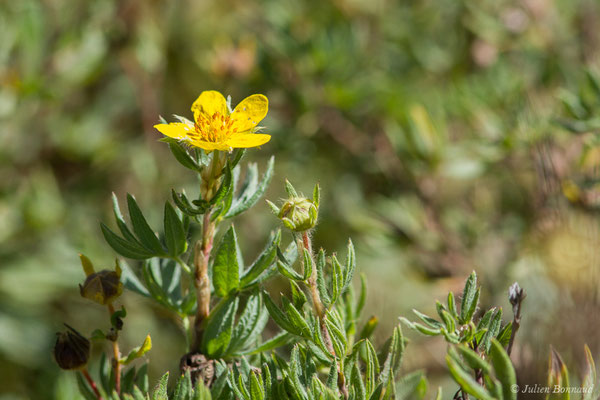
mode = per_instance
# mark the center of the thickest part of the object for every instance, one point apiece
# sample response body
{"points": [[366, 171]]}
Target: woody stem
{"points": [[202, 251]]}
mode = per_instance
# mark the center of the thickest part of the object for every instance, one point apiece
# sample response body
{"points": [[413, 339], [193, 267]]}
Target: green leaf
{"points": [[504, 335], [138, 351], [357, 384], [250, 324], [183, 390], [278, 316], [264, 261], [121, 221], [350, 266], [225, 188], [298, 296], [471, 358], [432, 323], [288, 271], [297, 320], [470, 298], [257, 390], [466, 381], [144, 233], [123, 247], [281, 339], [219, 328], [130, 280], [141, 378], [321, 284], [493, 330], [411, 386], [182, 202], [505, 371], [250, 194], [226, 270], [174, 232], [183, 156], [160, 390], [452, 305]]}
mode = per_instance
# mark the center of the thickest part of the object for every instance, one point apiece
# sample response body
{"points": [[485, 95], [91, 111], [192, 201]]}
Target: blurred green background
{"points": [[437, 129]]}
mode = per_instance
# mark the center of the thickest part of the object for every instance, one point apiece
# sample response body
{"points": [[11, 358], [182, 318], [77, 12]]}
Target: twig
{"points": [[516, 295]]}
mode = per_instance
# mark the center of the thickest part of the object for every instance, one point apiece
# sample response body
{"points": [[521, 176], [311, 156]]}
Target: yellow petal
{"points": [[177, 130], [250, 112], [248, 140], [208, 103], [209, 146]]}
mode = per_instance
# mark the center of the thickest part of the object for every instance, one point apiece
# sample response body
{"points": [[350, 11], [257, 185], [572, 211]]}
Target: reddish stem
{"points": [[91, 382]]}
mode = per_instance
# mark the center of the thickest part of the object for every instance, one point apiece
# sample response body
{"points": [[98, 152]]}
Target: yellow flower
{"points": [[215, 128]]}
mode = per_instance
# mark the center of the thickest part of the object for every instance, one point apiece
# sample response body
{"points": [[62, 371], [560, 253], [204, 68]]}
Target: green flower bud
{"points": [[72, 350], [104, 286], [298, 213]]}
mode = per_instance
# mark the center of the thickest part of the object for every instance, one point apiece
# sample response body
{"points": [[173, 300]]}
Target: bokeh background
{"points": [[447, 135]]}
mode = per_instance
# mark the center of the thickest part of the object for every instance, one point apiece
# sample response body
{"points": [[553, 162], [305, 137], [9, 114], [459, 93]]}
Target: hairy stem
{"points": [[201, 259], [305, 243], [116, 355], [91, 382]]}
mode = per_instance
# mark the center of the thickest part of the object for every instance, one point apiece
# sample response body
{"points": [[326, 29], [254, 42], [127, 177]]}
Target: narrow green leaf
{"points": [[124, 247], [466, 381], [297, 320], [321, 284], [281, 339], [452, 305], [226, 270], [174, 232], [278, 316], [250, 324], [121, 221], [470, 297], [144, 233], [219, 328], [357, 384], [184, 158], [504, 370], [257, 391], [493, 330], [264, 261], [160, 390], [224, 188], [84, 388], [472, 358], [248, 197]]}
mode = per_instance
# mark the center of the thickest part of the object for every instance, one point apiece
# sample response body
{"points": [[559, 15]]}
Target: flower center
{"points": [[216, 128]]}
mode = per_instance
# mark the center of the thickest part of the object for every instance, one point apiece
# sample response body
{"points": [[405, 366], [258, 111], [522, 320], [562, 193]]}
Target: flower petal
{"points": [[208, 103], [250, 112], [177, 130], [248, 140], [209, 146]]}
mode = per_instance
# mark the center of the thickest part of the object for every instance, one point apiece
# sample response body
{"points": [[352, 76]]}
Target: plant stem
{"points": [[208, 187], [201, 259], [305, 243], [515, 325], [91, 382], [116, 354]]}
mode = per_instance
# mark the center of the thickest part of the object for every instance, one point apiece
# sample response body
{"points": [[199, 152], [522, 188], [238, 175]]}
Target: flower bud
{"points": [[515, 294], [104, 286], [298, 213], [72, 350]]}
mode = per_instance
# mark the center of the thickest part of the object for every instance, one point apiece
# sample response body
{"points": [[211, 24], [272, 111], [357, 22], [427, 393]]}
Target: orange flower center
{"points": [[216, 128]]}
